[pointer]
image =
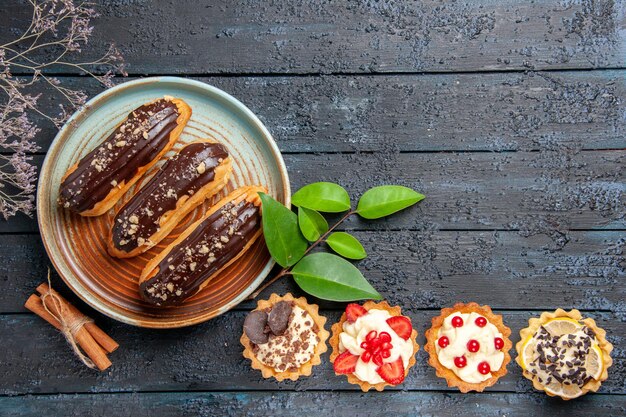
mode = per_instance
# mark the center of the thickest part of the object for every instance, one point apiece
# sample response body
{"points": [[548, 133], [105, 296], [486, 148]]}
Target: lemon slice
{"points": [[594, 363], [528, 351], [562, 325], [568, 391]]}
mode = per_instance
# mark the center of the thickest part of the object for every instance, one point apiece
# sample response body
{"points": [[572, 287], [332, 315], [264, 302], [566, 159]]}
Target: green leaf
{"points": [[330, 277], [312, 224], [382, 201], [282, 235], [326, 197], [346, 245]]}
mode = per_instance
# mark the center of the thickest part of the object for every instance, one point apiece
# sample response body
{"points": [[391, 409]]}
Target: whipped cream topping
{"points": [[459, 337], [354, 334], [562, 359], [295, 347]]}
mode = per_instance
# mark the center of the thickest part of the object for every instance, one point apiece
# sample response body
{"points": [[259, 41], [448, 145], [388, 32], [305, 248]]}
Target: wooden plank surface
{"points": [[538, 192], [487, 107], [433, 112], [339, 404], [208, 357], [293, 36], [432, 269]]}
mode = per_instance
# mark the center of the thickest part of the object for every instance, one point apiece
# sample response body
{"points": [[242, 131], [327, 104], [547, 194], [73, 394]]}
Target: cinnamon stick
{"points": [[103, 339]]}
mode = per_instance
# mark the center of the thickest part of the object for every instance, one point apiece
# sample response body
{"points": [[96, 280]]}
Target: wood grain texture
{"points": [[209, 404], [432, 269], [209, 357], [523, 171], [294, 36], [444, 112], [537, 192]]}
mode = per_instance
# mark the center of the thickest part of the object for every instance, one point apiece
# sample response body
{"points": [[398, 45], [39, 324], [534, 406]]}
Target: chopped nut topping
{"points": [[203, 249], [171, 267], [120, 143], [170, 287], [133, 219], [114, 183], [145, 135], [224, 239], [136, 131], [140, 241], [122, 128], [192, 266], [201, 168]]}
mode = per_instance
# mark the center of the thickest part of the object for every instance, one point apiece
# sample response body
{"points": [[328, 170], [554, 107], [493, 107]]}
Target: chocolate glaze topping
{"points": [[214, 242], [183, 174], [134, 144]]}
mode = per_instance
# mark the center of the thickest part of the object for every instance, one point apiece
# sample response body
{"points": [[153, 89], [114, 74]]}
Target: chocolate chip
{"points": [[278, 319], [254, 327]]}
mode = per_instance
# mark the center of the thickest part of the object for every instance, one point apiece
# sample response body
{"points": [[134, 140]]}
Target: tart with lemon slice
{"points": [[563, 354], [373, 345], [284, 337], [468, 345]]}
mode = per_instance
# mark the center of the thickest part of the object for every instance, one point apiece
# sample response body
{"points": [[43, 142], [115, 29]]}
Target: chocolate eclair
{"points": [[197, 172], [95, 183], [204, 249]]}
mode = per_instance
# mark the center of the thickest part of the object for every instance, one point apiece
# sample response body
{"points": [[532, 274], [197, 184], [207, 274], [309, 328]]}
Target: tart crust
{"points": [[337, 329], [304, 369], [606, 347], [443, 372]]}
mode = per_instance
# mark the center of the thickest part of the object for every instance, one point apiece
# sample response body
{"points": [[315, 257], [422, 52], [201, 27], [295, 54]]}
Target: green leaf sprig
{"points": [[290, 237]]}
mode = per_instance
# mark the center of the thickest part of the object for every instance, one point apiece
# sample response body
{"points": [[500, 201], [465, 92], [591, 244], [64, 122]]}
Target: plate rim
{"points": [[46, 233]]}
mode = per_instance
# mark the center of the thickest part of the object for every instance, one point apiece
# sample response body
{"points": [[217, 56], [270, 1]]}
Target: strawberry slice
{"points": [[345, 363], [401, 325], [354, 311], [392, 372]]}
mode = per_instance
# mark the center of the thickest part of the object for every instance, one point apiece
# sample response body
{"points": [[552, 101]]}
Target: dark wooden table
{"points": [[508, 115]]}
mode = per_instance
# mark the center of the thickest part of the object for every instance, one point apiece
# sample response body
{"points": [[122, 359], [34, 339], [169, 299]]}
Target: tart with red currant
{"points": [[469, 346], [373, 345], [284, 337]]}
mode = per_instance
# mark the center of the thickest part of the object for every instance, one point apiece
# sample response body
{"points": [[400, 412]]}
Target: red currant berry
{"points": [[460, 361], [366, 356], [484, 368], [364, 345], [371, 335], [384, 337], [386, 346], [378, 359], [481, 321], [386, 354], [457, 321], [473, 346], [443, 341], [499, 343]]}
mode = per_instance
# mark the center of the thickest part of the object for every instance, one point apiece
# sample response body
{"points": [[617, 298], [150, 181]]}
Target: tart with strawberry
{"points": [[563, 354], [284, 337], [373, 345], [468, 345]]}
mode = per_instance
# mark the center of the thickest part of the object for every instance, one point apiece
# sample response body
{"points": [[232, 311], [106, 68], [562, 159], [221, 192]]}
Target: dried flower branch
{"points": [[58, 30]]}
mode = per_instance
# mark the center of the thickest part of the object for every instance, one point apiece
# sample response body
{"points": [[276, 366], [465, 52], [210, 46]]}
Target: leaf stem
{"points": [[287, 271]]}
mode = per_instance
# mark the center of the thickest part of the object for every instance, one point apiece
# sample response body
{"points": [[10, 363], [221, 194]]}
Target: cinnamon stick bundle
{"points": [[80, 331]]}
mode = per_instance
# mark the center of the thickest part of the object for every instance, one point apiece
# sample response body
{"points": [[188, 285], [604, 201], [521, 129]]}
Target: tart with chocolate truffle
{"points": [[208, 246], [284, 337], [468, 345], [95, 183], [197, 172], [374, 345], [563, 354]]}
